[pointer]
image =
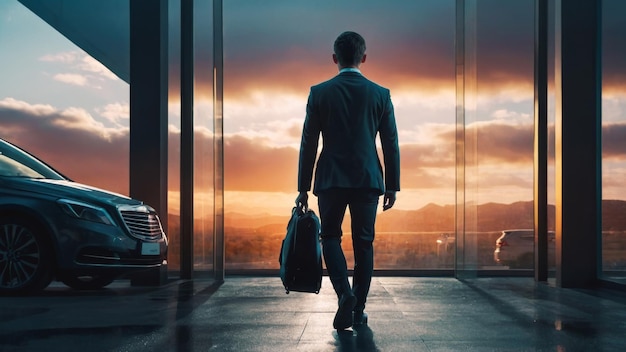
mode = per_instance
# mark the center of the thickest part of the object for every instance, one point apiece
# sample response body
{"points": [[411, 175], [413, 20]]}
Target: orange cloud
{"points": [[89, 153], [614, 141], [252, 165]]}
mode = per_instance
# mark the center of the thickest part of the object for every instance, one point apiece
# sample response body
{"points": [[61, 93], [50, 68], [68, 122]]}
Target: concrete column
{"points": [[148, 109], [577, 138]]}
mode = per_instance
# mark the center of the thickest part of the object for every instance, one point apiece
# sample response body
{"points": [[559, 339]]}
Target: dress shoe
{"points": [[343, 317], [360, 318]]}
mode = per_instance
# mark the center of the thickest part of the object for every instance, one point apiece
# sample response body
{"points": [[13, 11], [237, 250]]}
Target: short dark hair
{"points": [[349, 48]]}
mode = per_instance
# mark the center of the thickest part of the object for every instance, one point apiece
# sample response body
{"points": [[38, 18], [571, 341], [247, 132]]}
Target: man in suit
{"points": [[349, 111]]}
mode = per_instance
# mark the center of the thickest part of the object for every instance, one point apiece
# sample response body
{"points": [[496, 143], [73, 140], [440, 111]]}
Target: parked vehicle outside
{"points": [[52, 228], [446, 246], [516, 248]]}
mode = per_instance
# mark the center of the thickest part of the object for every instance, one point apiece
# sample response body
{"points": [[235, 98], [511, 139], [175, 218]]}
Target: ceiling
{"points": [[99, 27]]}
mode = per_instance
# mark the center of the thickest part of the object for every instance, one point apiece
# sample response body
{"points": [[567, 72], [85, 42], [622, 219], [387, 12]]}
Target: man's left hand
{"points": [[389, 199]]}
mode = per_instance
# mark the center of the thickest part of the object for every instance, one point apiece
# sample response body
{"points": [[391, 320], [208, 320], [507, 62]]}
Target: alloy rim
{"points": [[19, 256]]}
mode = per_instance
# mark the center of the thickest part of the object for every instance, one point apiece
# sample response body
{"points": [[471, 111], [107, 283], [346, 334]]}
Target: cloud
{"points": [[613, 177], [283, 46], [72, 78], [70, 140], [280, 133], [10, 104], [614, 140], [65, 57], [253, 165], [613, 44], [266, 115], [84, 70], [504, 114], [89, 64], [115, 112], [409, 44], [496, 141], [82, 148], [501, 142]]}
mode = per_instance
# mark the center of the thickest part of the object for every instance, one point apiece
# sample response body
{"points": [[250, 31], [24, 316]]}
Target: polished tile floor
{"points": [[255, 314]]}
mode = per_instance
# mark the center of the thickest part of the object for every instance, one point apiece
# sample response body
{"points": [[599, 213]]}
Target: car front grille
{"points": [[144, 225]]}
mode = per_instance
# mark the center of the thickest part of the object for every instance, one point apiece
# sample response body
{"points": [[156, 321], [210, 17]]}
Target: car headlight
{"points": [[85, 211]]}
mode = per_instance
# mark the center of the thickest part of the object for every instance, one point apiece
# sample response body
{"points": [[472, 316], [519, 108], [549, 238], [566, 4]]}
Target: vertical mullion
{"points": [[540, 198], [218, 141], [186, 140]]}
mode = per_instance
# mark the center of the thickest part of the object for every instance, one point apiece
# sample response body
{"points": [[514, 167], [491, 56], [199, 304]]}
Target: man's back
{"points": [[349, 110]]}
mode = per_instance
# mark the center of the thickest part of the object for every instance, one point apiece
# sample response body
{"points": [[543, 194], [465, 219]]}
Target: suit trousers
{"points": [[362, 204]]}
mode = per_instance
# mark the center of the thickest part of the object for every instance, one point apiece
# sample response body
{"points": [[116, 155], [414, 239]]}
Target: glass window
{"points": [[173, 158], [274, 52], [496, 167], [613, 146], [203, 135]]}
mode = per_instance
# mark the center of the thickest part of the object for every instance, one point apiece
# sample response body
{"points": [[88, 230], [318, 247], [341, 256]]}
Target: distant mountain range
{"points": [[489, 217], [484, 217], [433, 217]]}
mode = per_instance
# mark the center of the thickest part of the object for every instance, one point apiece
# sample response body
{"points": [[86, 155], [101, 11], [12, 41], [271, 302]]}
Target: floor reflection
{"points": [[357, 340], [184, 339]]}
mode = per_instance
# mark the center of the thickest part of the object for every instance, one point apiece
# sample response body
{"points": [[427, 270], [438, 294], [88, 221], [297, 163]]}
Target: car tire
{"points": [[87, 282], [525, 261], [25, 256]]}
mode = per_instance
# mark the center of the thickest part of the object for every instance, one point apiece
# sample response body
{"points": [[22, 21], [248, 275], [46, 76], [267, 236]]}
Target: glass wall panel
{"points": [[60, 103], [551, 143], [274, 52], [497, 206], [173, 158], [203, 135], [613, 141], [466, 239]]}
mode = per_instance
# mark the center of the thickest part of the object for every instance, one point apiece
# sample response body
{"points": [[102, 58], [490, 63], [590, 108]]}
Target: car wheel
{"points": [[25, 257], [525, 261], [87, 282]]}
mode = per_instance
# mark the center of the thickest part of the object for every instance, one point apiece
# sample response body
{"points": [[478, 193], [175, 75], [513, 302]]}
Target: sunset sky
{"points": [[68, 109]]}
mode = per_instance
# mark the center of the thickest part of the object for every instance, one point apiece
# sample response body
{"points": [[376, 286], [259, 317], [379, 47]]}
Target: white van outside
{"points": [[516, 248]]}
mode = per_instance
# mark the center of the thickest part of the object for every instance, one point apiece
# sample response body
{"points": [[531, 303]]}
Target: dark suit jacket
{"points": [[349, 111]]}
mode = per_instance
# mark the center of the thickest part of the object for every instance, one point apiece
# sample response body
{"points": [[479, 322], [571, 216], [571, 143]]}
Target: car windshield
{"points": [[15, 162]]}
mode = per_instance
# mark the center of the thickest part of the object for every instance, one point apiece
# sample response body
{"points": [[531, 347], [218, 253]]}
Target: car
{"points": [[446, 249], [516, 248], [445, 243], [52, 228]]}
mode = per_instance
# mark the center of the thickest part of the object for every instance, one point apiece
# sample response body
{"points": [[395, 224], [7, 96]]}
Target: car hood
{"points": [[71, 190]]}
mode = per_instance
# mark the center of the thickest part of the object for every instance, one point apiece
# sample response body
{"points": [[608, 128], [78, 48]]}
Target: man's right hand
{"points": [[302, 201]]}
